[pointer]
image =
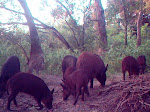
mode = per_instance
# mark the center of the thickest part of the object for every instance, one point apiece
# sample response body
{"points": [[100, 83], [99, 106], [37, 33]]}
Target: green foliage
{"points": [[8, 47], [54, 50], [145, 31], [53, 59], [117, 51]]}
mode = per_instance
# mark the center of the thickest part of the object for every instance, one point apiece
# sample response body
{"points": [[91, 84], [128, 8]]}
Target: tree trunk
{"points": [[36, 54], [139, 29], [125, 21], [101, 22], [139, 25], [126, 33]]}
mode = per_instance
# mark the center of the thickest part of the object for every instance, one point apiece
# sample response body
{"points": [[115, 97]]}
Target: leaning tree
{"points": [[36, 60]]}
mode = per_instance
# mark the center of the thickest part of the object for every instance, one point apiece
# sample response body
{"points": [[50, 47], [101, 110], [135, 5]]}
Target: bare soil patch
{"points": [[132, 95]]}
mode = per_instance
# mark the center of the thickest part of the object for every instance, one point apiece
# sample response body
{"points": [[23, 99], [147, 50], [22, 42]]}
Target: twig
{"points": [[145, 103]]}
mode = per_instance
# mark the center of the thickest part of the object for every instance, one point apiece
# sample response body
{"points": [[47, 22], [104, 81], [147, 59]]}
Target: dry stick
{"points": [[117, 86], [136, 104], [123, 101], [144, 103], [148, 91], [120, 104]]}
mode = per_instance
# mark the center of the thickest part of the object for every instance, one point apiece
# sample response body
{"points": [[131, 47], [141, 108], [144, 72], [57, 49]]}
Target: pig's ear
{"points": [[62, 80], [52, 91], [106, 67], [63, 86]]}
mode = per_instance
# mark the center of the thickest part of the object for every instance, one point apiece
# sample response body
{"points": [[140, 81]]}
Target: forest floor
{"points": [[132, 95]]}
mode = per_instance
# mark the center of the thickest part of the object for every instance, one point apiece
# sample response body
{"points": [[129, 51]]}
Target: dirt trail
{"points": [[96, 102]]}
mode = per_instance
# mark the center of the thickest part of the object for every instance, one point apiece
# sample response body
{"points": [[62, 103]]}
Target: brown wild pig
{"points": [[75, 82], [10, 68], [68, 61], [69, 71], [131, 65], [94, 67], [142, 63], [32, 85]]}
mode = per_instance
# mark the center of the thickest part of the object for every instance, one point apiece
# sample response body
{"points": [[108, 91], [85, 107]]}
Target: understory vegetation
{"points": [[54, 51]]}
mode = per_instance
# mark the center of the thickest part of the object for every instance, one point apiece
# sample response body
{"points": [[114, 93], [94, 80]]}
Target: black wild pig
{"points": [[10, 68], [68, 61], [75, 82], [142, 63], [32, 85], [94, 67], [131, 65]]}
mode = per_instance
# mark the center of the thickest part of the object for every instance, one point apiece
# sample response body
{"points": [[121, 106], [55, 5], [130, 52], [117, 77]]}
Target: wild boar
{"points": [[142, 63], [75, 82], [69, 71], [10, 68], [68, 61], [94, 67], [32, 85], [130, 64]]}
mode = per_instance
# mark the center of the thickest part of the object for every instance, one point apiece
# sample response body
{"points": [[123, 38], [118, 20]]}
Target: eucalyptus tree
{"points": [[139, 23], [100, 19], [123, 11], [74, 16], [36, 60], [143, 17]]}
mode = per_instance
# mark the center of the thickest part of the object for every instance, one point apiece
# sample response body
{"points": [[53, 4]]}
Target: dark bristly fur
{"points": [[68, 61], [94, 67], [75, 82], [142, 63], [32, 85], [131, 65], [10, 68]]}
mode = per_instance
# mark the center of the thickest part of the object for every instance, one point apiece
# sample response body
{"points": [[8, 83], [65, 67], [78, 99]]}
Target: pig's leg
{"points": [[78, 92], [39, 103], [11, 97], [91, 83], [124, 72], [15, 102], [83, 94], [86, 90]]}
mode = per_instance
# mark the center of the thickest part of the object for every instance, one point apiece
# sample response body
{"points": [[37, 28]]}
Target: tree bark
{"points": [[139, 25], [101, 22], [139, 29], [125, 21], [36, 54]]}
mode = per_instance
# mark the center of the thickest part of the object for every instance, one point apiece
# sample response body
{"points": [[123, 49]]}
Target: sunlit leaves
{"points": [[147, 6]]}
